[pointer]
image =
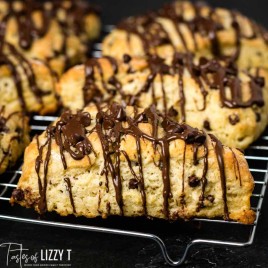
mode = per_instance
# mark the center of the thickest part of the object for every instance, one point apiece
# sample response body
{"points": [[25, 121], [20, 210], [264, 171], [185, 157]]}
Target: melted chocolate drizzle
{"points": [[69, 189], [219, 154], [153, 34], [13, 59], [214, 74], [112, 124], [29, 31]]}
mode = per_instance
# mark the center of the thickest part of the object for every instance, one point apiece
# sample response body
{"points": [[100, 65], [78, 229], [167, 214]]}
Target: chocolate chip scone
{"points": [[14, 136], [183, 26], [26, 84], [124, 161], [210, 95], [55, 31]]}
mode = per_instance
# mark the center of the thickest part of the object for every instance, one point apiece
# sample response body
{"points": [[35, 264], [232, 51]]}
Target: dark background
{"points": [[114, 10], [102, 250]]}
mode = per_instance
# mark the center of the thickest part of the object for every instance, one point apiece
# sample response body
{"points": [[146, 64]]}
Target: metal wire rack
{"points": [[258, 163], [258, 166]]}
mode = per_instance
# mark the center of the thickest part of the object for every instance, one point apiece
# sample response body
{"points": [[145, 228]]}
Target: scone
{"points": [[113, 160], [54, 31], [183, 26], [14, 136], [208, 94], [26, 85]]}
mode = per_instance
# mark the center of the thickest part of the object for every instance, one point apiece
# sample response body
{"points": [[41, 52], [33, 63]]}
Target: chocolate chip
{"points": [[182, 199], [3, 127], [234, 119], [210, 198], [258, 117], [193, 181], [126, 58], [203, 61], [112, 80], [85, 119], [18, 194], [172, 112], [133, 184], [206, 125]]}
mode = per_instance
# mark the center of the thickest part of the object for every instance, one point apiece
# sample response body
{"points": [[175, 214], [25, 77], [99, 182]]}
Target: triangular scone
{"points": [[117, 161], [26, 84], [14, 136], [54, 31], [230, 103], [183, 26]]}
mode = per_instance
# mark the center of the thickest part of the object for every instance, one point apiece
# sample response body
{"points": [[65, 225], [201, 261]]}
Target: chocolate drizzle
{"points": [[204, 178], [19, 67], [69, 189], [237, 168], [112, 124], [206, 73], [42, 205], [28, 30], [153, 34], [70, 135], [219, 154]]}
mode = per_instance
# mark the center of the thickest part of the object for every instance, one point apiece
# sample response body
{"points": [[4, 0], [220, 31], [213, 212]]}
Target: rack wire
{"points": [[258, 166], [258, 163]]}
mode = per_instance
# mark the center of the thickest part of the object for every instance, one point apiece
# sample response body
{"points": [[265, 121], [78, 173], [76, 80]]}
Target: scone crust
{"points": [[27, 84], [232, 32], [235, 127], [14, 136], [58, 40], [90, 197]]}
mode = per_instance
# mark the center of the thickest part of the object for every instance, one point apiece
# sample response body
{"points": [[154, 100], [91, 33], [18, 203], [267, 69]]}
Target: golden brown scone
{"points": [[186, 27], [27, 85], [231, 104], [14, 136], [124, 161], [55, 31]]}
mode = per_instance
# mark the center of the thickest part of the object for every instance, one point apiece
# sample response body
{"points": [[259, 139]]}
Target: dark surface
{"points": [[102, 250]]}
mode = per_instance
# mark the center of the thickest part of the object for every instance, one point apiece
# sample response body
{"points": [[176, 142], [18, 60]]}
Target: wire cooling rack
{"points": [[143, 228], [258, 166]]}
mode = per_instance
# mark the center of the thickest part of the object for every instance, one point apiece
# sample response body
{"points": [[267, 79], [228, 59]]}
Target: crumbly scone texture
{"points": [[14, 135], [94, 194], [235, 127], [66, 28], [183, 26], [27, 85]]}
